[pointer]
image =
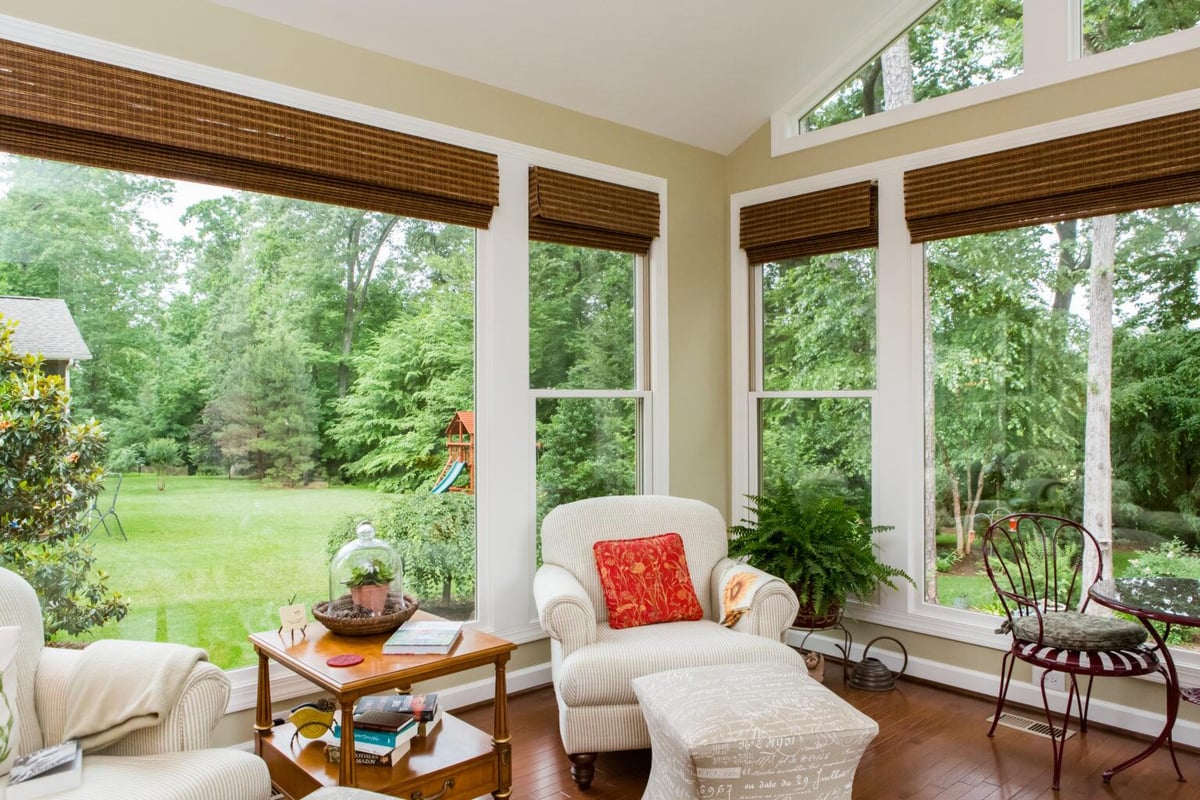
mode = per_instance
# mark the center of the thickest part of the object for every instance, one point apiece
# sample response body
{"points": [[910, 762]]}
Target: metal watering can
{"points": [[871, 673]]}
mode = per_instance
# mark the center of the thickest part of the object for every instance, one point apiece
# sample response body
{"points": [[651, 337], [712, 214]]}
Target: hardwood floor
{"points": [[932, 745]]}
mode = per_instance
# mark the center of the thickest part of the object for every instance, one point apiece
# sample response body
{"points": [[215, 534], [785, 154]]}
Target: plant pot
{"points": [[806, 617], [373, 596]]}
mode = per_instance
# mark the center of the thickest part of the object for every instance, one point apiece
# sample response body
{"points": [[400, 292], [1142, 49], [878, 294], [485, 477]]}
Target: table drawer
{"points": [[472, 780]]}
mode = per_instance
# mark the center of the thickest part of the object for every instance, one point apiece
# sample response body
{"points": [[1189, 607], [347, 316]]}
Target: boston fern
{"points": [[815, 541]]}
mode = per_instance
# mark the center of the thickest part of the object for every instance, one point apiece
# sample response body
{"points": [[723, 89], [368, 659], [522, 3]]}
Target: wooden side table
{"points": [[455, 762]]}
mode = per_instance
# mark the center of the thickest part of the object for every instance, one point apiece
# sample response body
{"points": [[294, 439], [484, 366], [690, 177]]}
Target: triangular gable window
{"points": [[956, 45], [1107, 25]]}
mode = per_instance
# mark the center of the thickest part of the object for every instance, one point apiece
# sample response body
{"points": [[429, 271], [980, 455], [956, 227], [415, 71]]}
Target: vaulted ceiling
{"points": [[703, 72]]}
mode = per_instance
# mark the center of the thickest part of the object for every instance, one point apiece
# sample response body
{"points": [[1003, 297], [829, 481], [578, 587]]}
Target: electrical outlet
{"points": [[1055, 681]]}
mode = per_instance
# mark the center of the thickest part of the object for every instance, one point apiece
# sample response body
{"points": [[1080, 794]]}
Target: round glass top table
{"points": [[1172, 601]]}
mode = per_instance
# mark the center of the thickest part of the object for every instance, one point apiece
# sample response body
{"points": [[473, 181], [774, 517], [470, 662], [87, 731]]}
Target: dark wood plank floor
{"points": [[932, 745]]}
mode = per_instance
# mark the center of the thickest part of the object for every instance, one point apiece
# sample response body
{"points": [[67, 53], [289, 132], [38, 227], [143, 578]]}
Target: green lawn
{"points": [[210, 560]]}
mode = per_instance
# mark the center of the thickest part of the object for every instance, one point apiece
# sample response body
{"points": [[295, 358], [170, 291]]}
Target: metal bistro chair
{"points": [[102, 516], [1035, 562]]}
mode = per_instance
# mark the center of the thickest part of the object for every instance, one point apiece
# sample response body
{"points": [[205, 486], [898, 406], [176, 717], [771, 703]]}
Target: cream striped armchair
{"points": [[172, 760], [593, 664]]}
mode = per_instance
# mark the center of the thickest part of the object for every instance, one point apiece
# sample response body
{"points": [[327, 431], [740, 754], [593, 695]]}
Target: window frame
{"points": [[1051, 31], [505, 532], [898, 468]]}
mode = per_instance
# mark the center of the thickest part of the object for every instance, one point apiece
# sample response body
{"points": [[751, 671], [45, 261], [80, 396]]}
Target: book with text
{"points": [[47, 771], [423, 637], [380, 755], [382, 738]]}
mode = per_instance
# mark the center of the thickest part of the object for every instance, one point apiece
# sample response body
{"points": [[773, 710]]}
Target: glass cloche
{"points": [[367, 569]]}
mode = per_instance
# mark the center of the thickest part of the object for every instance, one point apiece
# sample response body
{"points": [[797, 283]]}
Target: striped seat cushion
{"points": [[1132, 661]]}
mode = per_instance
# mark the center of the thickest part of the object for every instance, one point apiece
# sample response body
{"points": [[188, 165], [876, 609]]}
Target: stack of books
{"points": [[384, 727], [382, 732]]}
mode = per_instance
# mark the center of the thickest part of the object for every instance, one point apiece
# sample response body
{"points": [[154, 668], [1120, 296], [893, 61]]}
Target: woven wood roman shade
{"points": [[1141, 165], [63, 107], [829, 221], [570, 209]]}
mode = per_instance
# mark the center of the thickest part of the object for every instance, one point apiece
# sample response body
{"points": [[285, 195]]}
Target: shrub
{"points": [[1172, 559], [435, 536], [162, 454], [50, 472]]}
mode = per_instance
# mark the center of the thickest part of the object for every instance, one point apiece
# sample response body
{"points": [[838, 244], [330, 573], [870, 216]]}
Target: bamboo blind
{"points": [[828, 221], [1145, 164], [63, 107], [570, 209]]}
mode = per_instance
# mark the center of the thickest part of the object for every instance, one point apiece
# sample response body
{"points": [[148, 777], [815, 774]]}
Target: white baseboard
{"points": [[1105, 712]]}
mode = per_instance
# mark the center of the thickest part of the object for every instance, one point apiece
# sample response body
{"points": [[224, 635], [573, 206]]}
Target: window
{"points": [[588, 348], [1014, 317], [811, 371], [267, 371], [818, 360], [1108, 25], [958, 44], [965, 52]]}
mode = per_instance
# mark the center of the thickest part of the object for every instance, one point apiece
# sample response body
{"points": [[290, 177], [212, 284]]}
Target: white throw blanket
{"points": [[121, 686]]}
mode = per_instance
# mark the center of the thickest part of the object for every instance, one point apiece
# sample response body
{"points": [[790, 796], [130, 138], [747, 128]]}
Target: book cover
{"points": [[333, 754], [367, 736], [391, 712], [47, 771], [423, 637]]}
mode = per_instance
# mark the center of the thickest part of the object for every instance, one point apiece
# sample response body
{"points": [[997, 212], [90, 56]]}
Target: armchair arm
{"points": [[772, 607], [564, 608], [188, 726]]}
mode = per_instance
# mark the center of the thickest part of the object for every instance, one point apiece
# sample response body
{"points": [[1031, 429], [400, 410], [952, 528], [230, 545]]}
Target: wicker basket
{"points": [[364, 626]]}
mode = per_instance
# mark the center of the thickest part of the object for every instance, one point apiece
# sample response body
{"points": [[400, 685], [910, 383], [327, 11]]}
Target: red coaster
{"points": [[345, 660]]}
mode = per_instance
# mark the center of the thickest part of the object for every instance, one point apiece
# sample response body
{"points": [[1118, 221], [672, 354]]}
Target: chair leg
{"points": [[1087, 703], [1058, 737], [1006, 668], [120, 527], [583, 768]]}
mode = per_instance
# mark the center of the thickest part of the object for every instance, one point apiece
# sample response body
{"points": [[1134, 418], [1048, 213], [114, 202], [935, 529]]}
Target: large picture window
{"points": [[1014, 318], [267, 371]]}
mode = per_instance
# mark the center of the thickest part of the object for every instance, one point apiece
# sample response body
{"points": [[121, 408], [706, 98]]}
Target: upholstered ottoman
{"points": [[753, 731]]}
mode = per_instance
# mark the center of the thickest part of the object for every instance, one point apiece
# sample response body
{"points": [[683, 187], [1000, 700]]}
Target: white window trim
{"points": [[505, 498], [898, 419], [1051, 56]]}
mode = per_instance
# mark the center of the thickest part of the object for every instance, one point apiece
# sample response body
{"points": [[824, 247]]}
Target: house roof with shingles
{"points": [[45, 327]]}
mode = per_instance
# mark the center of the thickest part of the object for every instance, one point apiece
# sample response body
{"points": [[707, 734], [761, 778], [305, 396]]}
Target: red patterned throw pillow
{"points": [[646, 581]]}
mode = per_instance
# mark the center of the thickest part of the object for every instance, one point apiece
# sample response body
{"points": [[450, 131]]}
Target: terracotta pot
{"points": [[373, 596]]}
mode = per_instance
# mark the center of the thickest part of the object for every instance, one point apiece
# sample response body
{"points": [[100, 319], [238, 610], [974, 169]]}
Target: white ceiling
{"points": [[704, 72]]}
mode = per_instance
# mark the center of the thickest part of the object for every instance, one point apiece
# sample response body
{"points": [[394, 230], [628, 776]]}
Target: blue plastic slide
{"points": [[455, 470]]}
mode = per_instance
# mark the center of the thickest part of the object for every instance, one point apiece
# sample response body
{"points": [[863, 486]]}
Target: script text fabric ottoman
{"points": [[755, 731]]}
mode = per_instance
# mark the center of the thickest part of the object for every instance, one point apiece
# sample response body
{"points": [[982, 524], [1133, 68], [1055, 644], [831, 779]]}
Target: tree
{"points": [[417, 371], [50, 472], [78, 233], [1097, 453], [162, 454]]}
